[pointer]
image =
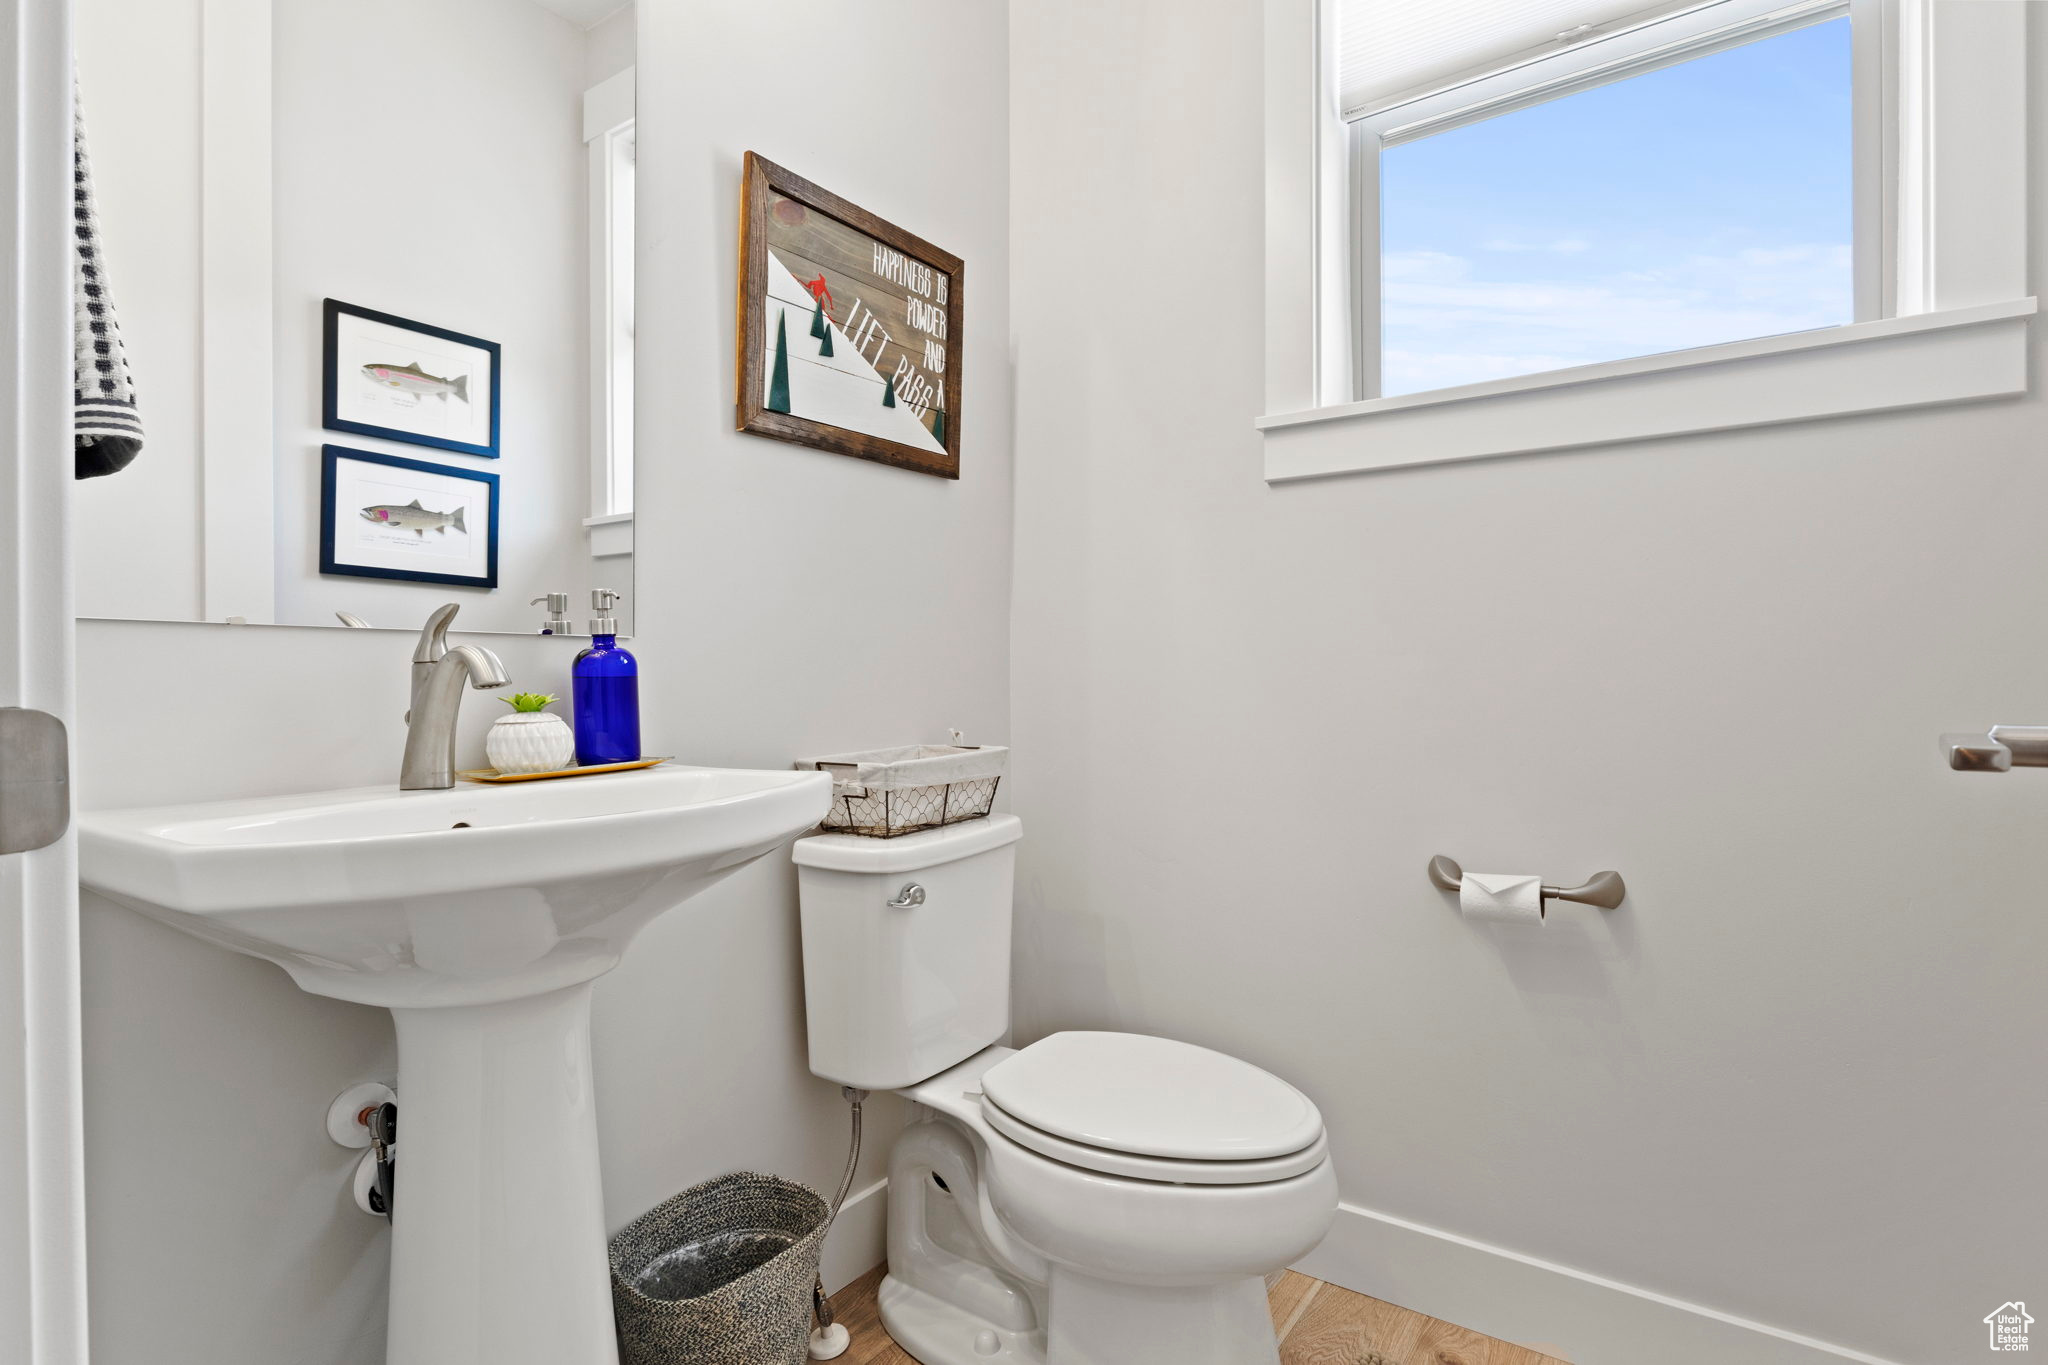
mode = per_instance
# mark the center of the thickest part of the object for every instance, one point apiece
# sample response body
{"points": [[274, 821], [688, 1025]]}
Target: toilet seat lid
{"points": [[1166, 1170], [1128, 1092]]}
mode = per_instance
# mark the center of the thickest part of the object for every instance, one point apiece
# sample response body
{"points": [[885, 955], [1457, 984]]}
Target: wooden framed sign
{"points": [[849, 335]]}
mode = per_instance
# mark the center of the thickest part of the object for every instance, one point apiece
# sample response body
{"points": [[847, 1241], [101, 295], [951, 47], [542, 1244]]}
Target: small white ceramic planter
{"points": [[530, 742]]}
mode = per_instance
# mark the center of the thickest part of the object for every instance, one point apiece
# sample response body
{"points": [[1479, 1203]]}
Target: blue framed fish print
{"points": [[385, 516], [407, 381]]}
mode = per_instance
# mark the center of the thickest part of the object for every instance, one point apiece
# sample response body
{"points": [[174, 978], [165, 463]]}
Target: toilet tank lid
{"points": [[911, 852]]}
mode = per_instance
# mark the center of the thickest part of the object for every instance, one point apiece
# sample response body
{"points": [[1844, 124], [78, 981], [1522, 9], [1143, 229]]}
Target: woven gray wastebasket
{"points": [[720, 1275]]}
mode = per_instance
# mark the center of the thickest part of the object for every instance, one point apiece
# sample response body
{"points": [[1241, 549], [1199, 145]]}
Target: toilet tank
{"points": [[895, 994]]}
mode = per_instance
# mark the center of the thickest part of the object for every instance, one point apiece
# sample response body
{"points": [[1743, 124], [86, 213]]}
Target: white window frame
{"points": [[1942, 299], [609, 136], [1603, 60]]}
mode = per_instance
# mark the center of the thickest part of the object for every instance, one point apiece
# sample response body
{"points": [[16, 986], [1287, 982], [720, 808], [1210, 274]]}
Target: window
{"points": [[1486, 219], [616, 345], [1670, 185], [608, 134]]}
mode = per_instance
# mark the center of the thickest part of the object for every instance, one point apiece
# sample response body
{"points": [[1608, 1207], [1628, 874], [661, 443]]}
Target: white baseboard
{"points": [[858, 1241], [1590, 1320]]}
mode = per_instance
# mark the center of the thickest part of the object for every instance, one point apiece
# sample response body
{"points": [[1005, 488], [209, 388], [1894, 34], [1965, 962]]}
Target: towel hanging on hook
{"points": [[107, 431]]}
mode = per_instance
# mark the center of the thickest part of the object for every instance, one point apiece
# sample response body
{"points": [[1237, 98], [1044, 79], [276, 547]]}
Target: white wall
{"points": [[610, 44], [763, 638], [430, 164], [136, 541], [1781, 1081], [769, 627]]}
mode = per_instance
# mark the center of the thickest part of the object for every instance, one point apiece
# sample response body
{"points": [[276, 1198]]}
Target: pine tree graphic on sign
{"points": [[939, 425], [778, 384], [818, 328], [889, 393]]}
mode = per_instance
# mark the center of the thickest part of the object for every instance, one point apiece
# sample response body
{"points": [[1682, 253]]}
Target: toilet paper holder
{"points": [[1604, 889]]}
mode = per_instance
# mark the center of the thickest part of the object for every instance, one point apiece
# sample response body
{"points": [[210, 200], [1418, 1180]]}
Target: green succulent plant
{"points": [[524, 702]]}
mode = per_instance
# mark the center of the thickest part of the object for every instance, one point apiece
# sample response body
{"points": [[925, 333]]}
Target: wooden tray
{"points": [[493, 775]]}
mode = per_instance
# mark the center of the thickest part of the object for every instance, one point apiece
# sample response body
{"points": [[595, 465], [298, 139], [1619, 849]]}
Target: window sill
{"points": [[610, 535], [1952, 356]]}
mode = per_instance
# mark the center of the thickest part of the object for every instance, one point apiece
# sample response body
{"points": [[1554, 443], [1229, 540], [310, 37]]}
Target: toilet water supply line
{"points": [[826, 1342]]}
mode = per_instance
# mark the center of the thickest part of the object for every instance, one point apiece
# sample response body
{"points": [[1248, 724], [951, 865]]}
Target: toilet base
{"points": [[963, 1290], [939, 1333], [1092, 1323], [1096, 1322]]}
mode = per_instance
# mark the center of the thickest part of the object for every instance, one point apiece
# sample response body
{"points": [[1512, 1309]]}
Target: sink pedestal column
{"points": [[498, 1240]]}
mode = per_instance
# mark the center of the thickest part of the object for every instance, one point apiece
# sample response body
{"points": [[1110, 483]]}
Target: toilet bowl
{"points": [[1092, 1199]]}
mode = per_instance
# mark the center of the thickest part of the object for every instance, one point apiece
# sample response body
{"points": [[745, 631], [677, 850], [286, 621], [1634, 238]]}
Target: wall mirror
{"points": [[372, 263]]}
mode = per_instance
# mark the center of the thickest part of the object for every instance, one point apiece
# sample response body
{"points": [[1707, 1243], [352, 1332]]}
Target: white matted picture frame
{"points": [[386, 516], [384, 375]]}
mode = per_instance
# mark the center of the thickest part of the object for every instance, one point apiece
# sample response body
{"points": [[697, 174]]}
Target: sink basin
{"points": [[480, 917], [464, 896]]}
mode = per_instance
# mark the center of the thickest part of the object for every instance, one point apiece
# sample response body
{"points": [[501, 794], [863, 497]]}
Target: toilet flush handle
{"points": [[910, 896]]}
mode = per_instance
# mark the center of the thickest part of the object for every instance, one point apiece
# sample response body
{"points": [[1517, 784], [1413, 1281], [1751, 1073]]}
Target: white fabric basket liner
{"points": [[912, 765]]}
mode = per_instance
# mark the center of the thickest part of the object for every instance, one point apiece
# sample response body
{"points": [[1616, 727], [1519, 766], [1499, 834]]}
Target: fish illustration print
{"points": [[414, 380], [415, 518]]}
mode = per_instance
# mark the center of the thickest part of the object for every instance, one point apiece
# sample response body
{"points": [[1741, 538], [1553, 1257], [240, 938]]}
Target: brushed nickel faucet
{"points": [[438, 673]]}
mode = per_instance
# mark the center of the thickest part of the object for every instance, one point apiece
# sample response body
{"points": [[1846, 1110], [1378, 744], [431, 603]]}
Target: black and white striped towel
{"points": [[109, 433]]}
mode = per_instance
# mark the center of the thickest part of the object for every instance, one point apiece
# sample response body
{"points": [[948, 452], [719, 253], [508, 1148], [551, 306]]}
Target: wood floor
{"points": [[1319, 1324]]}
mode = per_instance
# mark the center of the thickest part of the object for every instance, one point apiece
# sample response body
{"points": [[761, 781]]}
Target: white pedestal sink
{"points": [[479, 916]]}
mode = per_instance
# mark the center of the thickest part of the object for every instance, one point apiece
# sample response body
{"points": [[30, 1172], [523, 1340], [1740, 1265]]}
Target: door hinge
{"points": [[35, 779]]}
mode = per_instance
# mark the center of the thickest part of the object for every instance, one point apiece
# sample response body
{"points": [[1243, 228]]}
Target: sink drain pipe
{"points": [[828, 1338]]}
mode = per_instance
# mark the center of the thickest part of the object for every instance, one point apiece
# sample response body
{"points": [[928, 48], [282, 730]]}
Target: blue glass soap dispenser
{"points": [[604, 688]]}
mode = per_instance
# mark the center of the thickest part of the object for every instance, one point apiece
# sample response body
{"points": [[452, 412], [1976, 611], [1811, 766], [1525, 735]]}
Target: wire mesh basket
{"points": [[883, 793]]}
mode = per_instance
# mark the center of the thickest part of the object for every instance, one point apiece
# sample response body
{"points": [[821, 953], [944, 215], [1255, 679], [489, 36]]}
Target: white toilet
{"points": [[1094, 1199]]}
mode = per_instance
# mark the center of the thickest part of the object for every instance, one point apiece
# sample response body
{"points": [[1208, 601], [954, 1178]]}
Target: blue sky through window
{"points": [[1708, 201]]}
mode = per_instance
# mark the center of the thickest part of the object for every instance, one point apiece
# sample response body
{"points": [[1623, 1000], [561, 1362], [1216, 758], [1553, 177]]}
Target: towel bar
{"points": [[1604, 889]]}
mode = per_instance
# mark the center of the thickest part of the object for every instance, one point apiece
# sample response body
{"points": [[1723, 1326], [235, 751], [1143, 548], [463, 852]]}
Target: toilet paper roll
{"points": [[1501, 896]]}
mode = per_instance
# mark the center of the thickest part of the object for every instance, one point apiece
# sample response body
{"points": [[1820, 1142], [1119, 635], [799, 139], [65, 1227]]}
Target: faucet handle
{"points": [[434, 634]]}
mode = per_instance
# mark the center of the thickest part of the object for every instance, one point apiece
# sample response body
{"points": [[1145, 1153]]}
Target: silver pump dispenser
{"points": [[604, 601], [558, 613]]}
